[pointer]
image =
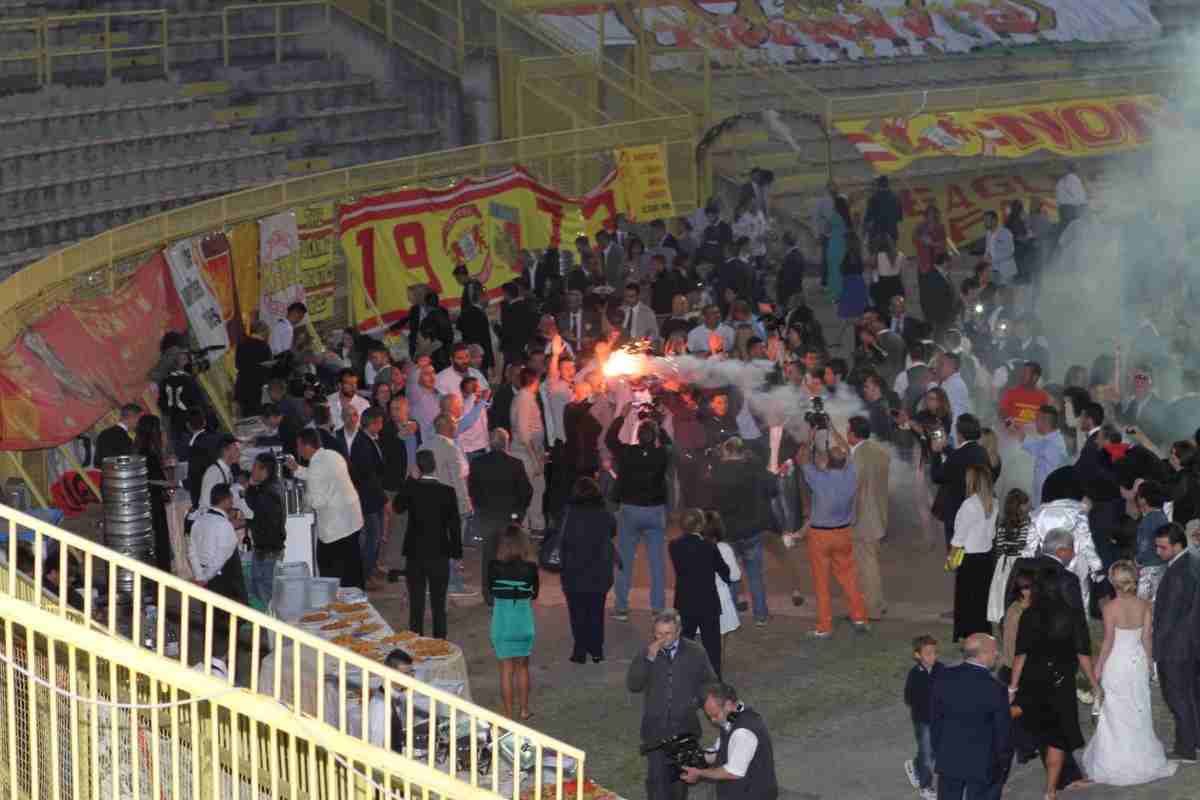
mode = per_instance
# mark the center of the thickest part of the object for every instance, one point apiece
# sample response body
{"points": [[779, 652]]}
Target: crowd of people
{"points": [[744, 431]]}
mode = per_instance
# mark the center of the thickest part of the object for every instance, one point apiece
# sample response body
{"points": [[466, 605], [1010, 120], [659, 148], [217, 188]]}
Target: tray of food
{"points": [[316, 616], [429, 648], [348, 608], [338, 624], [398, 638]]}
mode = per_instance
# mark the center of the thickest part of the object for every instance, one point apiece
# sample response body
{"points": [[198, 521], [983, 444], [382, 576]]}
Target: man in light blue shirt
{"points": [[1048, 448]]}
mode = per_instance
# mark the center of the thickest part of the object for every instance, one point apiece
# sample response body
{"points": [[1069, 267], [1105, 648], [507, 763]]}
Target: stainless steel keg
{"points": [[128, 520]]}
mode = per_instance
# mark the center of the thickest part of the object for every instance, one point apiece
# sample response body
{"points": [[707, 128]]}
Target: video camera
{"points": [[815, 417], [682, 750]]}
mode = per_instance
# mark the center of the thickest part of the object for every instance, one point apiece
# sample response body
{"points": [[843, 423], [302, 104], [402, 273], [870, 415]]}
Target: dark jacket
{"points": [[741, 492], [641, 471], [938, 300], [791, 276], [201, 455], [1048, 568], [500, 414], [113, 441], [969, 724], [760, 781], [949, 471], [583, 430], [473, 324], [591, 326], [1175, 609], [395, 455], [1093, 470], [587, 547], [697, 562], [268, 529], [252, 375], [673, 689], [434, 527], [884, 213], [918, 688], [499, 486], [518, 323], [367, 468]]}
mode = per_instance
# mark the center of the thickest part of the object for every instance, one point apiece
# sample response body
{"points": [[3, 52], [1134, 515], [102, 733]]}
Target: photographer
{"points": [[641, 491], [672, 672], [834, 484], [744, 760]]}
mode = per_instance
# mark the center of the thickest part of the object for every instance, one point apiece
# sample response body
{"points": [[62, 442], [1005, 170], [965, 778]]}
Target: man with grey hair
{"points": [[1053, 563], [672, 672], [500, 492], [970, 726]]}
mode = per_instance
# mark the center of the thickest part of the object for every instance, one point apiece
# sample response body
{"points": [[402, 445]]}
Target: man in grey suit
{"points": [[672, 672], [1176, 653], [613, 258]]}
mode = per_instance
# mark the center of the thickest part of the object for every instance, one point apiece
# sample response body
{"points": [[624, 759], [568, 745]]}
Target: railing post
{"points": [[390, 15], [278, 34], [329, 29], [462, 41], [108, 67], [166, 58], [225, 35]]}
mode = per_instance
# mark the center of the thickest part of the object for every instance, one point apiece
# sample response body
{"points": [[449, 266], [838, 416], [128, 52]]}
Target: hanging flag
{"points": [[203, 311]]}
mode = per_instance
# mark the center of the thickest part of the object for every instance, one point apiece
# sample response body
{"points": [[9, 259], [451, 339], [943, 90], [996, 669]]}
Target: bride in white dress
{"points": [[1125, 750]]}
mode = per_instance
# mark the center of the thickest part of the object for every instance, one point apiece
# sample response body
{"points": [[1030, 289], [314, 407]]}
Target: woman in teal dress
{"points": [[834, 255], [513, 581]]}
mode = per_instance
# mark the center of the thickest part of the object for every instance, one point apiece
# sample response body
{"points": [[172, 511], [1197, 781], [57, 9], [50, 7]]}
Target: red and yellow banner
{"points": [[317, 235], [1070, 128], [418, 236], [76, 363], [642, 172]]}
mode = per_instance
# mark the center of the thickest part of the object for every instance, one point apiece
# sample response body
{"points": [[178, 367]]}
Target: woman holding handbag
{"points": [[971, 553], [588, 555]]}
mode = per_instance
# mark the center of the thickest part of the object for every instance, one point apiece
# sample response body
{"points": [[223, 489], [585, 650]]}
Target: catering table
{"points": [[448, 673]]}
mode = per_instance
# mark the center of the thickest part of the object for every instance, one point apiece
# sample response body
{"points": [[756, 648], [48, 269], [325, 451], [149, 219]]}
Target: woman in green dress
{"points": [[513, 581]]}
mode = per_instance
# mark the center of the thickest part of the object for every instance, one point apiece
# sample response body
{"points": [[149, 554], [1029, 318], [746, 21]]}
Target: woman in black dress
{"points": [[148, 442], [1052, 643]]}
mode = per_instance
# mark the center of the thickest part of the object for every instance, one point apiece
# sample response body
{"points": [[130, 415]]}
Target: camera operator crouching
{"points": [[743, 763], [672, 672]]}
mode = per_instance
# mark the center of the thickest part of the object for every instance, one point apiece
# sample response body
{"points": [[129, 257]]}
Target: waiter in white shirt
{"points": [[222, 471], [334, 500], [213, 553], [1070, 196], [284, 330]]}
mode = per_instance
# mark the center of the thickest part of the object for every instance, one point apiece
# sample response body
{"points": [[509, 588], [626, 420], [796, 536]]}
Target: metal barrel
{"points": [[128, 519]]}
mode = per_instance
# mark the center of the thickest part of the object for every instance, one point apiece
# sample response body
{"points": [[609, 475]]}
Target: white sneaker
{"points": [[928, 794], [910, 769]]}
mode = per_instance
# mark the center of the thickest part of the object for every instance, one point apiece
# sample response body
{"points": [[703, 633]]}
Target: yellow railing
{"points": [[95, 36], [290, 715], [277, 31]]}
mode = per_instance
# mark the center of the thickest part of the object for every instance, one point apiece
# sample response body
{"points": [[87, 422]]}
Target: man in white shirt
{"points": [[557, 392], [698, 338], [1070, 196], [449, 380], [1001, 249], [954, 386], [529, 443], [221, 471], [638, 320], [346, 395], [213, 554], [378, 361], [284, 330], [743, 752], [334, 500]]}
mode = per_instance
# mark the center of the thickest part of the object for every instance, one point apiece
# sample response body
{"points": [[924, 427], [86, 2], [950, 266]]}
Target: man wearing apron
{"points": [[213, 552]]}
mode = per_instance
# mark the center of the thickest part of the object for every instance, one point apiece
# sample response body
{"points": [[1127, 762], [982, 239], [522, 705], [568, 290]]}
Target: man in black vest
{"points": [[744, 763]]}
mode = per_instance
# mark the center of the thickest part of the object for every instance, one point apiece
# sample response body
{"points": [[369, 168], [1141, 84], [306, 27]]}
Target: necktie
{"points": [[628, 321], [576, 327]]}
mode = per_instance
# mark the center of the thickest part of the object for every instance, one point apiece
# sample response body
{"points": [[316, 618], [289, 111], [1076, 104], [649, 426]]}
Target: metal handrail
{"points": [[303, 712]]}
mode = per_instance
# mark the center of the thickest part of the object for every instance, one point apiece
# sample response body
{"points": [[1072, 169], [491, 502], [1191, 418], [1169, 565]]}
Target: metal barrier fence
{"points": [[98, 704]]}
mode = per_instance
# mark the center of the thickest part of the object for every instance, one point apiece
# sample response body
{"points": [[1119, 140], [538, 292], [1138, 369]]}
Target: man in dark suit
{"points": [[1093, 470], [904, 324], [970, 726], [672, 672], [500, 491], [367, 468], [949, 470], [1058, 551], [1145, 409], [434, 537], [696, 599], [117, 440], [939, 301], [578, 323], [1176, 651], [518, 322]]}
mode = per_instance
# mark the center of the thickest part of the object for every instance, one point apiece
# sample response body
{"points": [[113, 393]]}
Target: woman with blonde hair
{"points": [[513, 581], [714, 531], [971, 553], [698, 568], [1125, 750]]}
